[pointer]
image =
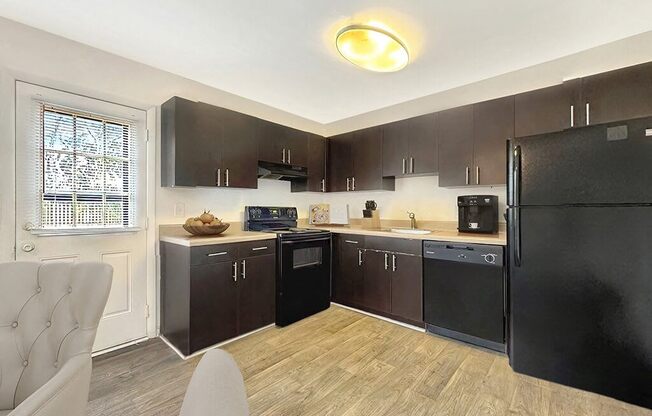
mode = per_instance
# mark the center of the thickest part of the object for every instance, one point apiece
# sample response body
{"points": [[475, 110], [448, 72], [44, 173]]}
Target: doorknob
{"points": [[28, 247]]}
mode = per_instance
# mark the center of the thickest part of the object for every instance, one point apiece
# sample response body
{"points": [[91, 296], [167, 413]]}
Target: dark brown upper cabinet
{"points": [[316, 181], [617, 95], [340, 162], [493, 125], [548, 110], [281, 144], [205, 145], [410, 147], [454, 131], [367, 153]]}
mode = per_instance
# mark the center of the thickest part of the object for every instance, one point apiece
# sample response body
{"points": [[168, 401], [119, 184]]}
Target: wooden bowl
{"points": [[206, 229]]}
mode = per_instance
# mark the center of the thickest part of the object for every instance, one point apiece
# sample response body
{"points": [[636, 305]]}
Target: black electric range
{"points": [[303, 261]]}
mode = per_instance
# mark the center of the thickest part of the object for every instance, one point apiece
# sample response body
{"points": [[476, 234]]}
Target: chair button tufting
{"points": [[38, 289], [14, 324], [48, 324], [25, 363], [56, 364], [69, 289]]}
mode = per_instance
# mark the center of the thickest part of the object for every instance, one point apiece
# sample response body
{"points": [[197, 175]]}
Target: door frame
{"points": [[8, 82]]}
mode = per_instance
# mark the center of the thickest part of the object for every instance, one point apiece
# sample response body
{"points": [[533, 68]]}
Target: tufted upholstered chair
{"points": [[49, 314]]}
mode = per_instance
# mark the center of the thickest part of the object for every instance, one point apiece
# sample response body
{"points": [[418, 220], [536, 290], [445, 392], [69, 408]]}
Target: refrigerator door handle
{"points": [[516, 178], [517, 237]]}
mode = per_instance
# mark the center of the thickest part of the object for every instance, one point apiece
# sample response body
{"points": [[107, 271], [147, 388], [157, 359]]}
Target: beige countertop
{"points": [[177, 235]]}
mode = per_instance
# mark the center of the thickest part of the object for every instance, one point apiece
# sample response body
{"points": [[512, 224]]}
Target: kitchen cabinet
{"points": [[205, 145], [547, 110], [281, 144], [410, 147], [472, 142], [454, 132], [355, 162], [617, 95], [493, 125], [347, 278], [382, 275], [213, 293], [316, 181]]}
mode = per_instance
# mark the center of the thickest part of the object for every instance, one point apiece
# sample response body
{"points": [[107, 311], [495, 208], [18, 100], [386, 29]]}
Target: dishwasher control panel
{"points": [[489, 255]]}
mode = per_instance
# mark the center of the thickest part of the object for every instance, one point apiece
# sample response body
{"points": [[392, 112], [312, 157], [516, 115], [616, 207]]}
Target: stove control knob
{"points": [[490, 258]]}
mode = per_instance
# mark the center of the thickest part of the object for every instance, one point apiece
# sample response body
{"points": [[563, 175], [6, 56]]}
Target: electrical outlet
{"points": [[179, 209]]}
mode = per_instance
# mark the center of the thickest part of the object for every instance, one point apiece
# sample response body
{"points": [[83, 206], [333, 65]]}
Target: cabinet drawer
{"points": [[256, 248], [352, 240], [213, 254], [396, 245]]}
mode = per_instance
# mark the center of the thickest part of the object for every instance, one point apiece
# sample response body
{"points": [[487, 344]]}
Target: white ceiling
{"points": [[281, 53]]}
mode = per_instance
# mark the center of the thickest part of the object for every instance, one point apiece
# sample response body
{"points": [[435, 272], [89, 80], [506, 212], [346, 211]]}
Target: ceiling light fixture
{"points": [[372, 48]]}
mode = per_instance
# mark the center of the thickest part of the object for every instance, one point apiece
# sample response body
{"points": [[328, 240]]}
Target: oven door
{"points": [[303, 281]]}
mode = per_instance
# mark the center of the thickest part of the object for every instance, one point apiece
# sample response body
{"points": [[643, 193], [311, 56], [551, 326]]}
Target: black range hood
{"points": [[280, 171]]}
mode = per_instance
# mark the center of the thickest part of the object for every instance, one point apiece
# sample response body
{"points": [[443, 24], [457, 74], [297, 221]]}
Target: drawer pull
{"points": [[259, 248], [221, 253], [350, 241]]}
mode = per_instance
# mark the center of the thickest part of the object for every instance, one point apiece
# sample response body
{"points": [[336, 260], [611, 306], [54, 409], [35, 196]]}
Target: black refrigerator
{"points": [[580, 258]]}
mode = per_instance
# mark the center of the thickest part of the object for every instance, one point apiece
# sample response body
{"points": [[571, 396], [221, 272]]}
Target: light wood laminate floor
{"points": [[340, 362]]}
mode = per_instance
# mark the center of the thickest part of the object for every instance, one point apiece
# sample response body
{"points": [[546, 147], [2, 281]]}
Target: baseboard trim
{"points": [[390, 320], [119, 347], [219, 344]]}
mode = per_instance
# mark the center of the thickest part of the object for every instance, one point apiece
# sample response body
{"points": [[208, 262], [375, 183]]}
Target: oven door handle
{"points": [[308, 240]]}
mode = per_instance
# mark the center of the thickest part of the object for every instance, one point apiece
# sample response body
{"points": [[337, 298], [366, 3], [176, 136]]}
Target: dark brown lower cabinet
{"points": [[213, 293], [379, 275]]}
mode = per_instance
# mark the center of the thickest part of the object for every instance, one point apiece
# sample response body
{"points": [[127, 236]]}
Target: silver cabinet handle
{"points": [[219, 177], [227, 177], [351, 241], [477, 175], [588, 114], [323, 185], [572, 115], [259, 248], [411, 165], [348, 181], [235, 271], [393, 262], [289, 156], [359, 257], [468, 173], [403, 166], [221, 253], [283, 155], [244, 269], [386, 261], [353, 183]]}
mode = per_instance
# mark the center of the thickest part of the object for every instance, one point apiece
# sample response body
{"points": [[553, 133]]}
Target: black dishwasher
{"points": [[464, 292]]}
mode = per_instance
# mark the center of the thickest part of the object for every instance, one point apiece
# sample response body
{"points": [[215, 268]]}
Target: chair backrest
{"points": [[49, 312]]}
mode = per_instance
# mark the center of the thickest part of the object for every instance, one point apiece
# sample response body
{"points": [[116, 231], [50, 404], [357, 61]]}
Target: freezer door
{"points": [[604, 164], [581, 298]]}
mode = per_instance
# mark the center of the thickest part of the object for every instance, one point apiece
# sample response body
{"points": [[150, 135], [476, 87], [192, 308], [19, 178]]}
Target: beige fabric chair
{"points": [[49, 314], [216, 388]]}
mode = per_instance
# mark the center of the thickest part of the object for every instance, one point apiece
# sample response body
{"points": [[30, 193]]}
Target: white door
{"points": [[81, 177]]}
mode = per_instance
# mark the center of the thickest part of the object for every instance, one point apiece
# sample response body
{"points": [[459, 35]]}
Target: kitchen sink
{"points": [[410, 231]]}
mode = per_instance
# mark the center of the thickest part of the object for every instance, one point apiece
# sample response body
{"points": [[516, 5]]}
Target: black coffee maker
{"points": [[477, 214]]}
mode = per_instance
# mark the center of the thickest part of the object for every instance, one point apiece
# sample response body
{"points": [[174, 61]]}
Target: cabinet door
{"points": [[213, 304], [340, 163], [395, 148], [316, 163], [454, 132], [422, 155], [407, 286], [347, 274], [206, 145], [547, 110], [239, 168], [271, 142], [377, 281], [296, 147], [256, 292], [493, 125], [367, 153], [618, 95]]}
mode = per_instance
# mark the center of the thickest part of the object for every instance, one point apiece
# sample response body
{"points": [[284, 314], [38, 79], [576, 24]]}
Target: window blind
{"points": [[86, 170]]}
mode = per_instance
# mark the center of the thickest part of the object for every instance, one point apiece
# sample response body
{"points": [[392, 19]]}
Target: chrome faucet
{"points": [[413, 220]]}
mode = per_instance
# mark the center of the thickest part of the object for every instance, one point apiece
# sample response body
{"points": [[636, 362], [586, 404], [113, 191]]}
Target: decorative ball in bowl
{"points": [[205, 224]]}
